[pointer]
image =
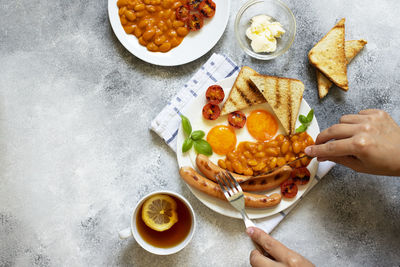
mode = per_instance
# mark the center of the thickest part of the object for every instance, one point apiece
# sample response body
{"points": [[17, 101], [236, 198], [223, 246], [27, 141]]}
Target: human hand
{"points": [[367, 142], [283, 256]]}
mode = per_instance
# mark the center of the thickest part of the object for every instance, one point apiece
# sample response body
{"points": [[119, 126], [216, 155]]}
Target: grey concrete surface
{"points": [[76, 152]]}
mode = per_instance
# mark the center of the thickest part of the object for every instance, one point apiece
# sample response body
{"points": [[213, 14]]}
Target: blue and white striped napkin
{"points": [[167, 122]]}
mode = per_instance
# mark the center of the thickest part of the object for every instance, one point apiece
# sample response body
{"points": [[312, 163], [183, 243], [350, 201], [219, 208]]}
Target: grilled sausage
{"points": [[194, 179], [248, 183], [269, 181]]}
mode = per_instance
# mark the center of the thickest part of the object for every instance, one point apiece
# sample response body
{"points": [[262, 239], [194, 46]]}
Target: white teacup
{"points": [[133, 231]]}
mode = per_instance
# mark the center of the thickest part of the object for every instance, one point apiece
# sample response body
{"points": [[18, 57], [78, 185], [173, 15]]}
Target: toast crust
{"points": [[328, 55]]}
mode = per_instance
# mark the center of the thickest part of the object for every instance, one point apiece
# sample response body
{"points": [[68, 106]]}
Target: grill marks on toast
{"points": [[244, 97], [232, 102], [284, 96], [255, 91], [243, 94]]}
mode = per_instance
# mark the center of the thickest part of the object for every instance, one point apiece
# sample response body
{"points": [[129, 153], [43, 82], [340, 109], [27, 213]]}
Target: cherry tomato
{"points": [[195, 22], [211, 111], [182, 13], [237, 119], [300, 175], [194, 4], [207, 8], [215, 94], [289, 189]]}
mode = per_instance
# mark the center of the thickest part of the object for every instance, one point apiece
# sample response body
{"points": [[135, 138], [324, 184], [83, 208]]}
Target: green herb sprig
{"points": [[195, 139], [305, 121]]}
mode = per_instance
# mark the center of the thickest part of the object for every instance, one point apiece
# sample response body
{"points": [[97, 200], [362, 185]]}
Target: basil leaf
{"points": [[187, 127], [302, 128], [203, 147], [303, 119], [197, 135], [310, 115], [187, 145]]}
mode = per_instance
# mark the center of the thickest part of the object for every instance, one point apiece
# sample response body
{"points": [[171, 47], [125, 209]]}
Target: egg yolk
{"points": [[262, 125], [222, 139]]}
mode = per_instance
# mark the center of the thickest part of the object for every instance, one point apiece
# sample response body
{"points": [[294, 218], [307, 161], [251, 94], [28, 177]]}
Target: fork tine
{"points": [[233, 188], [225, 182], [237, 186], [221, 185]]}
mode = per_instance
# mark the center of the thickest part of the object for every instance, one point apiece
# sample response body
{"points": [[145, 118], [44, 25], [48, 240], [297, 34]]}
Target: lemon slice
{"points": [[159, 212]]}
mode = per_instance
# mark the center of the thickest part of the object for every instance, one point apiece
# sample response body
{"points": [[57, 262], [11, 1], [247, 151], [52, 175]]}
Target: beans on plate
{"points": [[161, 25], [253, 158]]}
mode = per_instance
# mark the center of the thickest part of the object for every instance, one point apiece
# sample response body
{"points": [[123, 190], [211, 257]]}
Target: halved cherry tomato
{"points": [[207, 8], [237, 119], [195, 22], [182, 13], [301, 181], [289, 189], [215, 94], [300, 175], [211, 111], [194, 4], [300, 172]]}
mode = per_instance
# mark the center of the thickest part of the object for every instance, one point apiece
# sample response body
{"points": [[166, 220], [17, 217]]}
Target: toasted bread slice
{"points": [[243, 94], [284, 95], [352, 48], [328, 56]]}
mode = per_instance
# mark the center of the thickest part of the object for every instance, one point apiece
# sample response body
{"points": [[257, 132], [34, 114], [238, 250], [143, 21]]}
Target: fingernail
{"points": [[250, 231], [308, 150]]}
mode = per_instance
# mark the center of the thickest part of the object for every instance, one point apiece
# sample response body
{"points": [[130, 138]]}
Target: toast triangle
{"points": [[352, 48], [243, 94], [328, 56], [284, 95]]}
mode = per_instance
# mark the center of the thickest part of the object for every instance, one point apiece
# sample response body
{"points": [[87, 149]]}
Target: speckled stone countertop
{"points": [[76, 152]]}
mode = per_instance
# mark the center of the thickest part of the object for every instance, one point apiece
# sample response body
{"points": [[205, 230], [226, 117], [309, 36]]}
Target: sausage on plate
{"points": [[248, 183], [194, 179], [268, 181]]}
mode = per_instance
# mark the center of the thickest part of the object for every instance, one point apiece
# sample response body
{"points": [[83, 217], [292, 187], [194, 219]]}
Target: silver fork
{"points": [[234, 194]]}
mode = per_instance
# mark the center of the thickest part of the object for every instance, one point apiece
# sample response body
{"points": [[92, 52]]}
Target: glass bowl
{"points": [[278, 11]]}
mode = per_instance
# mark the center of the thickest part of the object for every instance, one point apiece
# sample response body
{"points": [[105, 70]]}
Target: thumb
{"points": [[272, 246]]}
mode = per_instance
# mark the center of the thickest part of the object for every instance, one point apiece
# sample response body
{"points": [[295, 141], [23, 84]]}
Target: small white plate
{"points": [[194, 113], [193, 46]]}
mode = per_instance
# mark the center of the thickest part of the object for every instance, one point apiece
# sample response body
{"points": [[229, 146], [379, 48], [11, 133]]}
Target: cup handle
{"points": [[126, 233]]}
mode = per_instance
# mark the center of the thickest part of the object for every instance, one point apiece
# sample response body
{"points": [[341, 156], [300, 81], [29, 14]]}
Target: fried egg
{"points": [[222, 139], [261, 125]]}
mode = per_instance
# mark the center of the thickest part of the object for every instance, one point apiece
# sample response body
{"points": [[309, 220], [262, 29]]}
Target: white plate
{"points": [[193, 46], [194, 113]]}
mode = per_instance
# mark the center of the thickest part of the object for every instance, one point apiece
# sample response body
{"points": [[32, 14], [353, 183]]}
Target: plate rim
{"points": [[170, 63], [236, 214]]}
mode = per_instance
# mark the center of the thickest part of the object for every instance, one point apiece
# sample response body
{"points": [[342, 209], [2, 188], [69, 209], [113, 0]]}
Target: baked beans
{"points": [[153, 22], [250, 158]]}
